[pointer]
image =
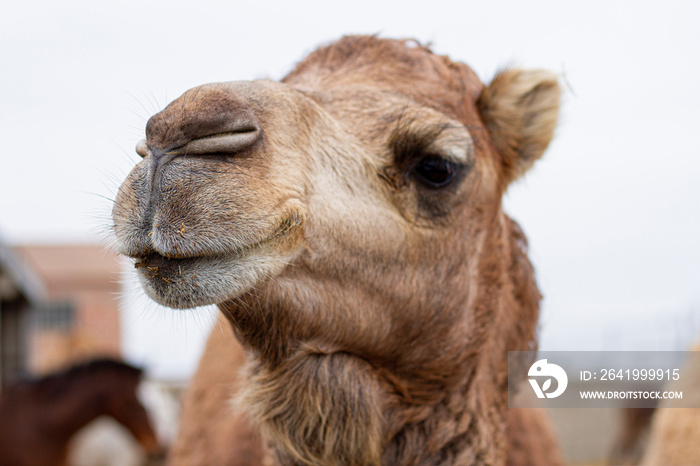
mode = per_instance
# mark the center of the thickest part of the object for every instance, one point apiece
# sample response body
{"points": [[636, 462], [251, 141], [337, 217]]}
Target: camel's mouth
{"points": [[163, 272], [191, 280], [155, 265]]}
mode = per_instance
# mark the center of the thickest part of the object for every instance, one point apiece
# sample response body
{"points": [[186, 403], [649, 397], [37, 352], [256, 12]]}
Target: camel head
{"points": [[348, 222]]}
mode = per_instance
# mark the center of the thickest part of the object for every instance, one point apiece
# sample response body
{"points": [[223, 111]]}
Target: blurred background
{"points": [[612, 211]]}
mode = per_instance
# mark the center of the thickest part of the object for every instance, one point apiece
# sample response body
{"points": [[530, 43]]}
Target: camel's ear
{"points": [[520, 109]]}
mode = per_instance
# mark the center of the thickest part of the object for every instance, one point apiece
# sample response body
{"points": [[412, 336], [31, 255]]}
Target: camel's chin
{"points": [[200, 281]]}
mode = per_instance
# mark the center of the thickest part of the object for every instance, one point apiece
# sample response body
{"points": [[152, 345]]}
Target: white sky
{"points": [[612, 211]]}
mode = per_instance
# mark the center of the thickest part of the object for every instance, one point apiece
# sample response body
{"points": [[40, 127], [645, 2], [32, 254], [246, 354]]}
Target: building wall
{"points": [[81, 318]]}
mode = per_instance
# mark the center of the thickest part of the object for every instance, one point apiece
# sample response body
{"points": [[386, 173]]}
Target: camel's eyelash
{"points": [[409, 144]]}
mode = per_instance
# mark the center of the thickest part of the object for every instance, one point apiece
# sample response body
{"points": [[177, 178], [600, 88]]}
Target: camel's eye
{"points": [[435, 172]]}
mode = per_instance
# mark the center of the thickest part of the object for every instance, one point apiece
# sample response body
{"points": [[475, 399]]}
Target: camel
{"points": [[347, 222], [674, 438], [632, 437]]}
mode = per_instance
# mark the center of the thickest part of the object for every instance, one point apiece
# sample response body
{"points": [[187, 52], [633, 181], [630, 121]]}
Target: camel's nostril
{"points": [[226, 143], [207, 120]]}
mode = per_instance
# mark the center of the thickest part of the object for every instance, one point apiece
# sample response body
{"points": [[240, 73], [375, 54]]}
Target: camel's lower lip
{"points": [[168, 269], [183, 283]]}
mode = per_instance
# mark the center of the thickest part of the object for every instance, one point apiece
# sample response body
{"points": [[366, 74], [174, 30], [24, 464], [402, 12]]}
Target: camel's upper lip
{"points": [[193, 251], [206, 249], [150, 256]]}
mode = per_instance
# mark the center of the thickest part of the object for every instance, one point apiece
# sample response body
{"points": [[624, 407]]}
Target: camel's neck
{"points": [[466, 428], [329, 390]]}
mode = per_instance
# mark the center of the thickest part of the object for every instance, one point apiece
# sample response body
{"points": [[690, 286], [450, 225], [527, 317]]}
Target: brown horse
{"points": [[38, 417]]}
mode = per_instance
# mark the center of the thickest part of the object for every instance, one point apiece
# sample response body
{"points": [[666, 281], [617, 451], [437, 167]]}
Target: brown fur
{"points": [[674, 439], [531, 439], [215, 431], [632, 437], [516, 108], [376, 311], [211, 431]]}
